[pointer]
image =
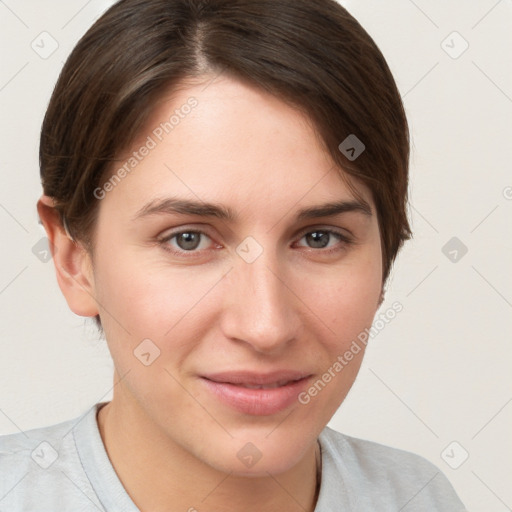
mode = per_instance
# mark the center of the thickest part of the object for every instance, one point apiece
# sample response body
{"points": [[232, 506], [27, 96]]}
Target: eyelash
{"points": [[344, 239]]}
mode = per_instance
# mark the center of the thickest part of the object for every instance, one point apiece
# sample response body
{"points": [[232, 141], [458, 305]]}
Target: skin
{"points": [[173, 444]]}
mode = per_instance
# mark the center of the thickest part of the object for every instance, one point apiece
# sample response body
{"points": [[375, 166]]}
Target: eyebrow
{"points": [[173, 205]]}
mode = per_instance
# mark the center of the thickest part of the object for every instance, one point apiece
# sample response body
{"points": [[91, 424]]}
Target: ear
{"points": [[72, 262]]}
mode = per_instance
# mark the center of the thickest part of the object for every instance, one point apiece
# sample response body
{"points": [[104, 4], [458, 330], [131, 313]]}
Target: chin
{"points": [[257, 458]]}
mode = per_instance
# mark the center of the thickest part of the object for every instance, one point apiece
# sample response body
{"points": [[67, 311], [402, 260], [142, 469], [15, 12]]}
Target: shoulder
{"points": [[35, 462], [386, 475], [39, 446], [375, 458]]}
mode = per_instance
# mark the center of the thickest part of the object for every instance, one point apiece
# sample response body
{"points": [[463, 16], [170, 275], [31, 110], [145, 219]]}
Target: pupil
{"points": [[188, 241], [319, 239]]}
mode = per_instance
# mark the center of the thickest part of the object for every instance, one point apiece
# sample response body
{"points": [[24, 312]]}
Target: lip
{"points": [[229, 388]]}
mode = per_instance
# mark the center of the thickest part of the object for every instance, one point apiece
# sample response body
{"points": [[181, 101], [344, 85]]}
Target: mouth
{"points": [[274, 385], [257, 394]]}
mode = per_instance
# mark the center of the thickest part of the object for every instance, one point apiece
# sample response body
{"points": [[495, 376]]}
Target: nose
{"points": [[260, 308]]}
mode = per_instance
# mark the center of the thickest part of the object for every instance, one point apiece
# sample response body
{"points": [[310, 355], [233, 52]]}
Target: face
{"points": [[222, 315]]}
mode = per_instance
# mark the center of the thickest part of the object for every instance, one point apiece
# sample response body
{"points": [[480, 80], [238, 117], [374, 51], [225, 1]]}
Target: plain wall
{"points": [[439, 372]]}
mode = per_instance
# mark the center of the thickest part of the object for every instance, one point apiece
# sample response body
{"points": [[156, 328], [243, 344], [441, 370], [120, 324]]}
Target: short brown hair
{"points": [[311, 53]]}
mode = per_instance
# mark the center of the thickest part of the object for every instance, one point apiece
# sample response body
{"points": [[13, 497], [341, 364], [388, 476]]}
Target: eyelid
{"points": [[342, 232], [308, 229], [169, 233]]}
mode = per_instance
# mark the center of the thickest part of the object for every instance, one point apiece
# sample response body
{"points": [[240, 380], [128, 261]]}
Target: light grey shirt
{"points": [[65, 468]]}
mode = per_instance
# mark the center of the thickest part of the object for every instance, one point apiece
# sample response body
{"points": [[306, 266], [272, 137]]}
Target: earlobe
{"points": [[72, 261]]}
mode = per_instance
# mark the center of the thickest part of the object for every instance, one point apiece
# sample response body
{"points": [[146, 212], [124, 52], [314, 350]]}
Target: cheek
{"points": [[143, 300], [346, 305], [344, 300], [357, 302]]}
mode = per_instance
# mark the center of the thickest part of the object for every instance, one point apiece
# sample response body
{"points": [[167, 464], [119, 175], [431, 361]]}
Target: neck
{"points": [[158, 473]]}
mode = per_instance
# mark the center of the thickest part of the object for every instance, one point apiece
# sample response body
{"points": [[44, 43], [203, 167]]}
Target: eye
{"points": [[322, 238], [194, 242], [185, 241]]}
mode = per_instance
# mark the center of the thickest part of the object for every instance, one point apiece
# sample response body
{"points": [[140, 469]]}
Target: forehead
{"points": [[222, 140]]}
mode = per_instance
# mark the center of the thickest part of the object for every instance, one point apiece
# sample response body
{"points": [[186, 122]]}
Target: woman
{"points": [[225, 189]]}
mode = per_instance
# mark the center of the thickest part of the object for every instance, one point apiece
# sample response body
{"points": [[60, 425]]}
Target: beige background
{"points": [[439, 372]]}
